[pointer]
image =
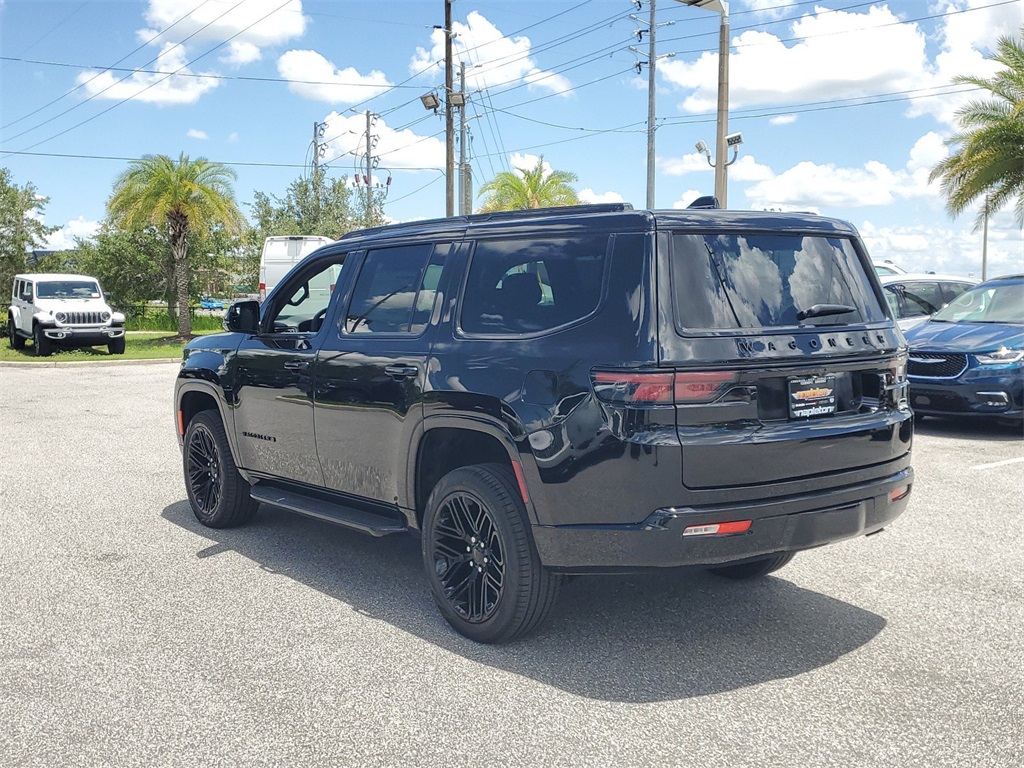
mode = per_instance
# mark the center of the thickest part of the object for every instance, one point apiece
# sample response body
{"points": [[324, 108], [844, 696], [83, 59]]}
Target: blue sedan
{"points": [[968, 359]]}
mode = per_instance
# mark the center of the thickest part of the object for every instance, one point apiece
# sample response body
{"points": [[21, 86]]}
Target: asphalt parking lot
{"points": [[130, 635]]}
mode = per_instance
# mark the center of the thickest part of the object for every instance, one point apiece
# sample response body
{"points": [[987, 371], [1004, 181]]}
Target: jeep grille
{"points": [[936, 366], [82, 318]]}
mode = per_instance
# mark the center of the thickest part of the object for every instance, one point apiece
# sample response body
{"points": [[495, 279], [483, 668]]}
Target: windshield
{"points": [[998, 303], [731, 281], [68, 289]]}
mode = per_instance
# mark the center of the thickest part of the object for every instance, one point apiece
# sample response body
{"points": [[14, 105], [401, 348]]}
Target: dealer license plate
{"points": [[812, 397]]}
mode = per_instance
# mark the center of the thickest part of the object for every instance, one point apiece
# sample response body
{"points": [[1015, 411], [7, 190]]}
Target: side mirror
{"points": [[243, 317]]}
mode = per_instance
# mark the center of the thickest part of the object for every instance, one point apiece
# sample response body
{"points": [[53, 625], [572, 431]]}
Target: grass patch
{"points": [[138, 346]]}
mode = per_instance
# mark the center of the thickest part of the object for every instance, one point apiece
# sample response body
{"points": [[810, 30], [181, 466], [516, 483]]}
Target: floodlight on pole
{"points": [[430, 101], [720, 7]]}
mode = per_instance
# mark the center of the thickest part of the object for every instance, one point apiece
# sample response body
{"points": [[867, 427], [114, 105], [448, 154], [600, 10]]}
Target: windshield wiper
{"points": [[821, 310]]}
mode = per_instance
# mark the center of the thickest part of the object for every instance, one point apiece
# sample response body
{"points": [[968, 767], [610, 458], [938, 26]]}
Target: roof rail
{"points": [[527, 213]]}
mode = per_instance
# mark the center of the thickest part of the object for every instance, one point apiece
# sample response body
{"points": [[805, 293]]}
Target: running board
{"points": [[332, 512]]}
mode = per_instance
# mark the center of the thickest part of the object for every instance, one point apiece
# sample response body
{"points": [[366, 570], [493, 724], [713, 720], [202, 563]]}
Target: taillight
{"points": [[660, 387]]}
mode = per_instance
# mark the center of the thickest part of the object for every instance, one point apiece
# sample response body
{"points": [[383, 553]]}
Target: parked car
{"points": [[561, 391], [884, 268], [209, 303], [913, 298], [54, 310], [968, 358]]}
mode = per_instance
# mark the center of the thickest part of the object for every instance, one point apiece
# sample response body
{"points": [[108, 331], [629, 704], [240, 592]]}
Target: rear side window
{"points": [[395, 290], [916, 299], [734, 281], [531, 285]]}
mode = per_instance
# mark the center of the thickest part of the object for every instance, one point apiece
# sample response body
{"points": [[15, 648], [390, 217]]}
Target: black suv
{"points": [[563, 391]]}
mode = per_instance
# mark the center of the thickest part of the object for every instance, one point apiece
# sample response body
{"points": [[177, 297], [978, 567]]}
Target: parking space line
{"points": [[1002, 463]]}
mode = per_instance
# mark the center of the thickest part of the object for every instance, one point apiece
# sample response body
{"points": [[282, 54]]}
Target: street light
{"points": [[721, 7]]}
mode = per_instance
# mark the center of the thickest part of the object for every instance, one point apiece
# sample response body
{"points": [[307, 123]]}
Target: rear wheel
{"points": [[484, 572], [753, 569], [116, 346], [17, 342], [219, 495], [44, 347]]}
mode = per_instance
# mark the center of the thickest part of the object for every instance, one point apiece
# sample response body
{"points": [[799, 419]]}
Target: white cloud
{"points": [[748, 169], [782, 120], [590, 196], [312, 76], [233, 136], [240, 53], [150, 88], [679, 166], [64, 238], [686, 198], [520, 161], [829, 63], [498, 60], [397, 150], [953, 250], [257, 23], [847, 55], [195, 133]]}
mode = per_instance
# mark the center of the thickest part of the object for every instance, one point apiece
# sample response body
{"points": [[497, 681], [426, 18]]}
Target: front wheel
{"points": [[116, 346], [484, 572], [17, 342], [44, 347], [219, 495], [753, 569]]}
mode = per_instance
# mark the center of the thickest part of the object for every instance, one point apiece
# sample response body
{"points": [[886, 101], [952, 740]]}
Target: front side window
{"points": [[733, 281], [532, 285], [303, 304], [395, 290]]}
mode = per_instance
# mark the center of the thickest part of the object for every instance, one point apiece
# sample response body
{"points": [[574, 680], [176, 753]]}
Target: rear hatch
{"points": [[785, 365]]}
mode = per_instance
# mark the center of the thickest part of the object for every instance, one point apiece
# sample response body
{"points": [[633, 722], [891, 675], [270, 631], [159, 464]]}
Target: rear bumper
{"points": [[779, 525]]}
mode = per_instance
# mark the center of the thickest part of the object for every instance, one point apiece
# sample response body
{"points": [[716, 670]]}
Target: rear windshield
{"points": [[733, 281]]}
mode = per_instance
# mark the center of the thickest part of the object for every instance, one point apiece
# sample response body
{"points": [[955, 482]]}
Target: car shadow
{"points": [[636, 639], [969, 428]]}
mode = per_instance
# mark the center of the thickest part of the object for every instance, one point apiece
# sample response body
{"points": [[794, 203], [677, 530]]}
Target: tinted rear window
{"points": [[733, 281]]}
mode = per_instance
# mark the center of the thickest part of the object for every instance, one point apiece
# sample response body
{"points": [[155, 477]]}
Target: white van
{"points": [[281, 253]]}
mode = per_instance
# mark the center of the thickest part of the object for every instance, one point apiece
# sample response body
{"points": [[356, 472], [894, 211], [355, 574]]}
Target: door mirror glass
{"points": [[243, 317]]}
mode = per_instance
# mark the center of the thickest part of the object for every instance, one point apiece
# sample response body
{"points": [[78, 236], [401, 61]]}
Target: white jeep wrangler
{"points": [[62, 310]]}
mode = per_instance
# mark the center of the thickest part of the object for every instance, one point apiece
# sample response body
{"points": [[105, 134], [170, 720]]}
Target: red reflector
{"points": [[181, 424], [263, 286], [718, 529], [517, 468], [701, 386], [898, 493]]}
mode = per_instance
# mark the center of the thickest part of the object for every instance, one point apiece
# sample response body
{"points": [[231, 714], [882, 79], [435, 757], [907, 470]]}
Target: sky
{"points": [[844, 107]]}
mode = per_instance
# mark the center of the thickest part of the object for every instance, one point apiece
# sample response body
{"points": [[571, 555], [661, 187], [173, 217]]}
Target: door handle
{"points": [[400, 370], [296, 365]]}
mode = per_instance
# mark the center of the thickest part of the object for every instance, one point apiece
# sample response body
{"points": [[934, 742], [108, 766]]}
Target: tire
{"points": [[44, 347], [483, 568], [116, 346], [219, 495], [754, 569], [17, 342]]}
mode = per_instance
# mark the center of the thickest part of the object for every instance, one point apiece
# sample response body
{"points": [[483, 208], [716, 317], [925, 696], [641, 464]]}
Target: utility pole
{"points": [[465, 195], [652, 65], [369, 171], [449, 126], [721, 174], [318, 129]]}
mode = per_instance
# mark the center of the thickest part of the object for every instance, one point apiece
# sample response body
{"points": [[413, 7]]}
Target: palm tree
{"points": [[182, 198], [529, 188], [989, 160]]}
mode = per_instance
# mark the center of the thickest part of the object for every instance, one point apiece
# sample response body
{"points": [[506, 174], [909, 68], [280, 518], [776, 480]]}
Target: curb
{"points": [[84, 363]]}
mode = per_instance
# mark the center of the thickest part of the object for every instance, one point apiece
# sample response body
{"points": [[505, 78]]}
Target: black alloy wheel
{"points": [[219, 495], [468, 556], [484, 571]]}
